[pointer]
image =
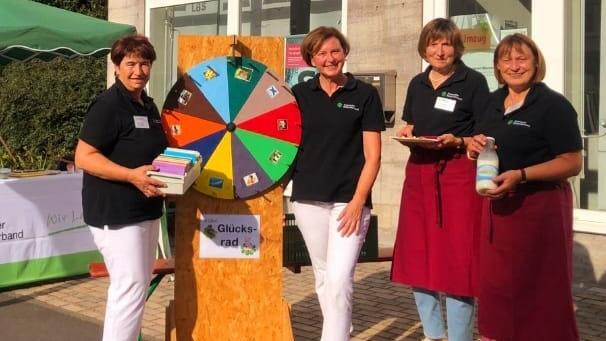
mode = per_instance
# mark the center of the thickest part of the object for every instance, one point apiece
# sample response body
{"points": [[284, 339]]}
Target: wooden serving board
{"points": [[32, 173]]}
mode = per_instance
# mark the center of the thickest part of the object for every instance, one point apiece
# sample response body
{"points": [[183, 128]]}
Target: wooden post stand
{"points": [[224, 299]]}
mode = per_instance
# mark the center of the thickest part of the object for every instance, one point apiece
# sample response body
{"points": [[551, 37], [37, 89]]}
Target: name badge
{"points": [[141, 122], [444, 103]]}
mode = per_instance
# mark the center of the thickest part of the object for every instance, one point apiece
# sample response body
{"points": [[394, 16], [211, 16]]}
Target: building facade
{"points": [[383, 35]]}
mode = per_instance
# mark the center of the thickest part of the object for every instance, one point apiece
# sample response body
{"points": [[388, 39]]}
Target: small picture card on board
{"points": [[243, 73]]}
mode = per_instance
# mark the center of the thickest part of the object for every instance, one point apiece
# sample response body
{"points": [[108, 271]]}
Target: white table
{"points": [[42, 233]]}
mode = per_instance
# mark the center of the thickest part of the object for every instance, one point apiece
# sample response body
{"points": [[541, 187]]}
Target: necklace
{"points": [[440, 78]]}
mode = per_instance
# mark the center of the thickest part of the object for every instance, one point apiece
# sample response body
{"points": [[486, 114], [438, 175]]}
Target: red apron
{"points": [[526, 265], [437, 236]]}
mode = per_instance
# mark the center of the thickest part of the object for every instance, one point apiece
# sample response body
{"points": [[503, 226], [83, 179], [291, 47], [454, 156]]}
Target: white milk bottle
{"points": [[487, 167]]}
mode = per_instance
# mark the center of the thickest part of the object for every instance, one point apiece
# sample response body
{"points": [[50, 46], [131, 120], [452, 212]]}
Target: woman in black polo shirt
{"points": [[336, 167], [437, 236], [120, 137], [526, 244]]}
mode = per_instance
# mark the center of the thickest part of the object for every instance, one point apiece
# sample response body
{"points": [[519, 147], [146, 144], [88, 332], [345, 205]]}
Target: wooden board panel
{"points": [[230, 299], [194, 49]]}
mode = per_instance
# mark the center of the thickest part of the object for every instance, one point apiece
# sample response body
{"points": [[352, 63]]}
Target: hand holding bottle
{"points": [[506, 183], [475, 146], [487, 167]]}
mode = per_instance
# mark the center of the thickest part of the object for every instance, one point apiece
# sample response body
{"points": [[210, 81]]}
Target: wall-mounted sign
{"points": [[476, 39], [230, 236]]}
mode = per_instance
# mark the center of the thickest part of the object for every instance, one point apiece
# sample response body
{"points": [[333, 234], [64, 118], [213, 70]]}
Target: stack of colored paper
{"points": [[177, 168], [176, 161], [172, 165], [192, 155]]}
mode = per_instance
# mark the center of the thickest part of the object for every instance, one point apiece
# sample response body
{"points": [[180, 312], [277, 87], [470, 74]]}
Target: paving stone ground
{"points": [[382, 311]]}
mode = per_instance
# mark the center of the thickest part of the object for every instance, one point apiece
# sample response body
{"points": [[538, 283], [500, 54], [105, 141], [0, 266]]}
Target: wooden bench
{"points": [[384, 255], [161, 267]]}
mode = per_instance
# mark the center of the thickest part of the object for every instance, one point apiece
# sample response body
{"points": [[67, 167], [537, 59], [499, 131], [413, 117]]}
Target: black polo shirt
{"points": [[109, 126], [451, 108], [331, 154], [542, 128]]}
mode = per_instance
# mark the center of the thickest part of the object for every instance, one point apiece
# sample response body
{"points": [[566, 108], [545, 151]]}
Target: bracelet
{"points": [[523, 172], [462, 144]]}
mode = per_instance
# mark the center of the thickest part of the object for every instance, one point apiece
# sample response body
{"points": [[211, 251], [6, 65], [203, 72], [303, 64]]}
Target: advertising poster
{"points": [[296, 70]]}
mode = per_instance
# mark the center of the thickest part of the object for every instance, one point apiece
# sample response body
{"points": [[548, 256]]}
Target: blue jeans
{"points": [[459, 315]]}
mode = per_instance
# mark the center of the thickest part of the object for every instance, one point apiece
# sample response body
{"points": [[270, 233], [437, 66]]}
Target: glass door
{"points": [[592, 193], [167, 23]]}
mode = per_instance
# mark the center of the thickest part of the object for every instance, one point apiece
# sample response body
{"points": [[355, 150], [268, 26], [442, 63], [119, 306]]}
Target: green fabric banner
{"points": [[47, 268]]}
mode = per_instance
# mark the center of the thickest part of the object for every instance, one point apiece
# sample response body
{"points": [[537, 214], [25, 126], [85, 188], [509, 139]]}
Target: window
{"points": [[483, 23], [283, 18]]}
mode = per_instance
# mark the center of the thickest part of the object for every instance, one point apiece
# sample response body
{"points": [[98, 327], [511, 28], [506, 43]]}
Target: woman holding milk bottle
{"points": [[526, 244]]}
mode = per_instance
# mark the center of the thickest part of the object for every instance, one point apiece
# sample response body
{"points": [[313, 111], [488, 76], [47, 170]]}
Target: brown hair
{"points": [[314, 39], [516, 41], [441, 28], [136, 44]]}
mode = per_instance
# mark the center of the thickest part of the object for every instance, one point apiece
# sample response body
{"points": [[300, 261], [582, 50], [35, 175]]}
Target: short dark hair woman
{"points": [[436, 241], [526, 244], [337, 164], [120, 136]]}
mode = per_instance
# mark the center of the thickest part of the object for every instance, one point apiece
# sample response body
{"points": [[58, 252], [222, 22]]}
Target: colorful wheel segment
{"points": [[242, 118]]}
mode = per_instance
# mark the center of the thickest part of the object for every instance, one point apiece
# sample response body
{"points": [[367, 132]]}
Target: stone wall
{"points": [[383, 36], [131, 12]]}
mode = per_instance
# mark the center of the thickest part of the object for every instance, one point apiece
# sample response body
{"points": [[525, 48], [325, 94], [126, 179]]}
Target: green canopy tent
{"points": [[32, 30]]}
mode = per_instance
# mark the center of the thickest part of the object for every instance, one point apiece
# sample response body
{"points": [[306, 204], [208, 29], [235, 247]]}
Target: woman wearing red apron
{"points": [[437, 235], [526, 243]]}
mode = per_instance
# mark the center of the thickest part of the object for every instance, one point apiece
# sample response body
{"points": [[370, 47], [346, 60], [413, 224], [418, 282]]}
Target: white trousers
{"points": [[129, 254], [333, 259]]}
